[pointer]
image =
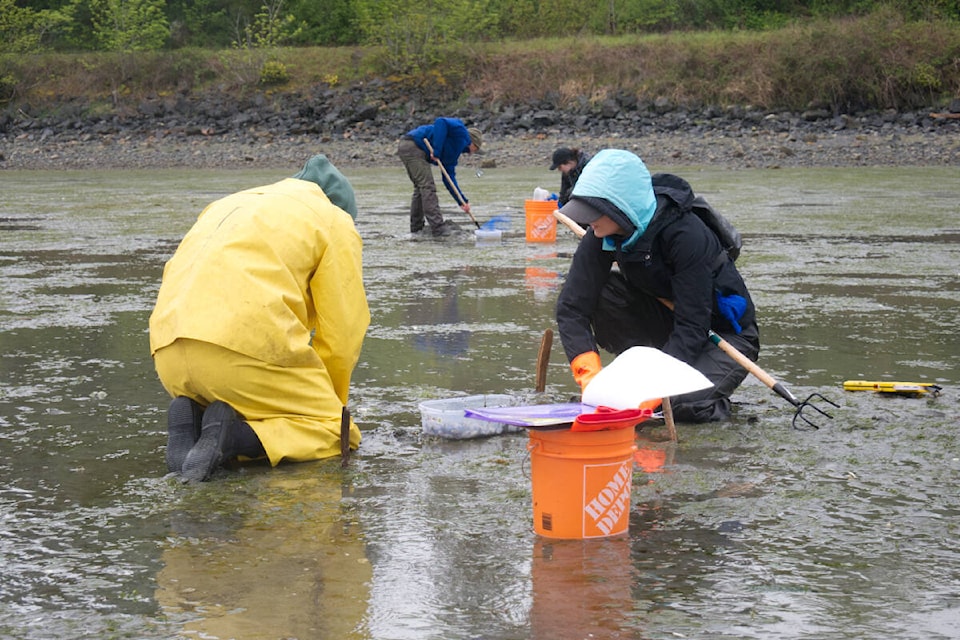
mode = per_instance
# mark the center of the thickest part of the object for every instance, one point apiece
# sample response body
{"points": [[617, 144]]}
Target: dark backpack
{"points": [[727, 234], [680, 192]]}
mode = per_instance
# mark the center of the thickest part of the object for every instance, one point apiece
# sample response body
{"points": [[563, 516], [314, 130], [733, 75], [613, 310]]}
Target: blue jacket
{"points": [[449, 138]]}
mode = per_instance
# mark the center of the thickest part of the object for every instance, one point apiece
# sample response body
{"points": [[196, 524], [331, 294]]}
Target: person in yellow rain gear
{"points": [[259, 322]]}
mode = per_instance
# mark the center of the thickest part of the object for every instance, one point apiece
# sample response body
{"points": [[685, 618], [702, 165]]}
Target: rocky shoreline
{"points": [[356, 131]]}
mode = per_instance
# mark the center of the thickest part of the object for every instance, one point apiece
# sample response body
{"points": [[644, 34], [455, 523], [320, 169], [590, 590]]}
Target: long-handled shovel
{"points": [[452, 183], [738, 357]]}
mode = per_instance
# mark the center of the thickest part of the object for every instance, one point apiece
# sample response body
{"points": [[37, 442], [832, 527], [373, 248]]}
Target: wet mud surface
{"points": [[746, 528]]}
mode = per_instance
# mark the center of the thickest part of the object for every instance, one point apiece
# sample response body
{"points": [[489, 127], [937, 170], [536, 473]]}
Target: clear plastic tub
{"points": [[446, 419], [488, 235]]}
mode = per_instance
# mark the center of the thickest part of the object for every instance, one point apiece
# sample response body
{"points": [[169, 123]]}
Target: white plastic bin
{"points": [[446, 419]]}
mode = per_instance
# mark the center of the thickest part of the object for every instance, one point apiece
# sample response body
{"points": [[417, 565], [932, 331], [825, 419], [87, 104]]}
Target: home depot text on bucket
{"points": [[607, 507]]}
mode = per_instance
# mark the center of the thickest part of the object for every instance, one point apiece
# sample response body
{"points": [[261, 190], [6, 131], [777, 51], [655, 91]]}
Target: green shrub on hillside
{"points": [[273, 73]]}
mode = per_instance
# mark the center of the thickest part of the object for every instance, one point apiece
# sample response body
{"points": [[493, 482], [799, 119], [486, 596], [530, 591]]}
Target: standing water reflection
{"points": [[746, 528]]}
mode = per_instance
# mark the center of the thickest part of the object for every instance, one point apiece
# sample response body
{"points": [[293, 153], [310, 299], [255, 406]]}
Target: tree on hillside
{"points": [[615, 17], [410, 30], [326, 22], [198, 23], [272, 26], [413, 32], [542, 18], [129, 25], [24, 30]]}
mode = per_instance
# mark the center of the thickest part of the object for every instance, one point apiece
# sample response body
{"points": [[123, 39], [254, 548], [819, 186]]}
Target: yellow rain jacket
{"points": [[272, 275]]}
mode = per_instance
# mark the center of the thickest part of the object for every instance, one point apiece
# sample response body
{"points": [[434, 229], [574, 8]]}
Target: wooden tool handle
{"points": [[573, 226], [543, 358], [344, 437], [453, 185]]}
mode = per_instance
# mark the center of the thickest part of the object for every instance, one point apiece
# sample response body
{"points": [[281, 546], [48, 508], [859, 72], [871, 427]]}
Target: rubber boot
{"points": [[216, 445], [416, 214], [183, 430], [446, 228]]}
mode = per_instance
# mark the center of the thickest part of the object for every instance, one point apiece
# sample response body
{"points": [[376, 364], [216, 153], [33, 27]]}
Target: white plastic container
{"points": [[492, 236], [446, 419]]}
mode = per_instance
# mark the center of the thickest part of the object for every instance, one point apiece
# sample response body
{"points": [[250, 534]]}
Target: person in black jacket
{"points": [[649, 272], [570, 163]]}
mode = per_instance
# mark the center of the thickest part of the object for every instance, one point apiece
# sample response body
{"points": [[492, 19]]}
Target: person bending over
{"points": [[649, 272], [259, 322], [448, 139]]}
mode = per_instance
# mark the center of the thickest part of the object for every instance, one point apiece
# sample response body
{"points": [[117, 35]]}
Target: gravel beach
{"points": [[249, 138]]}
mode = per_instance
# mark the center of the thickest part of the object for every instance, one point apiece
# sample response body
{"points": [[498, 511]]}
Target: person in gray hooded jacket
{"points": [[672, 282]]}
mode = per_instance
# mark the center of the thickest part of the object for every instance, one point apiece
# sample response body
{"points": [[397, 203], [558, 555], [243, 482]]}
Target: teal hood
{"points": [[622, 179], [334, 184]]}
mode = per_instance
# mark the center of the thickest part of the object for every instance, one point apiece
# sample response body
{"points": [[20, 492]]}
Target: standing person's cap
{"points": [[334, 184], [476, 137], [562, 155]]}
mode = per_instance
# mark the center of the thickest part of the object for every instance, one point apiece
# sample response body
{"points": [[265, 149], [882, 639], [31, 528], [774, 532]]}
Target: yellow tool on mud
{"points": [[903, 388]]}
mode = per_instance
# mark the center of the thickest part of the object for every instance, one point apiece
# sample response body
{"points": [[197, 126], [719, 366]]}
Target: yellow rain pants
{"points": [[293, 410], [263, 306]]}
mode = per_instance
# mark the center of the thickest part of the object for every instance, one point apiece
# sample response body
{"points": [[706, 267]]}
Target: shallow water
{"points": [[745, 529]]}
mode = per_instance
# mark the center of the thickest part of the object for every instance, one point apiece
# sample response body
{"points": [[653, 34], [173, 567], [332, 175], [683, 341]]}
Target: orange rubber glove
{"points": [[585, 366]]}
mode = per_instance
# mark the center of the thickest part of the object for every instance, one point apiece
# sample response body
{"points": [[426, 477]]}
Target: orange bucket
{"points": [[581, 482], [541, 225]]}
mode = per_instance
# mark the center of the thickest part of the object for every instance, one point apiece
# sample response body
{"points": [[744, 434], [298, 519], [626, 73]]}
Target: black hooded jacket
{"points": [[678, 258], [569, 180]]}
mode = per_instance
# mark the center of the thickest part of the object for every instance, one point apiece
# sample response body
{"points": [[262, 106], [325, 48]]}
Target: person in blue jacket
{"points": [[448, 138], [673, 282]]}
